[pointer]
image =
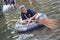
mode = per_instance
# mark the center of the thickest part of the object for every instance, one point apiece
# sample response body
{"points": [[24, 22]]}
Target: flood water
{"points": [[50, 7]]}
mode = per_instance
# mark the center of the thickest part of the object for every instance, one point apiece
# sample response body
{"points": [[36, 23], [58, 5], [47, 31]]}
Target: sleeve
{"points": [[32, 12]]}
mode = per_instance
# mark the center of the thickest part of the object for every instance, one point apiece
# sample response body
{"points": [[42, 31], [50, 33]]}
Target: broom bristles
{"points": [[50, 23]]}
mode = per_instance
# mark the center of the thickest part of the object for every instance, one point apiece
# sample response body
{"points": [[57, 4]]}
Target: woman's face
{"points": [[24, 10]]}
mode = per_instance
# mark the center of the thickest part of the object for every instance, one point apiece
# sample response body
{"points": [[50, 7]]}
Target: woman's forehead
{"points": [[23, 9]]}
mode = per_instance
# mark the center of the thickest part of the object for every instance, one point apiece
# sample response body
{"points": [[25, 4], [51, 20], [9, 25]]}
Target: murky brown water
{"points": [[51, 8]]}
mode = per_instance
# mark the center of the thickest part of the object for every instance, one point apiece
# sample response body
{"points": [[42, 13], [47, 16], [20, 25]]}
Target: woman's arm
{"points": [[34, 16]]}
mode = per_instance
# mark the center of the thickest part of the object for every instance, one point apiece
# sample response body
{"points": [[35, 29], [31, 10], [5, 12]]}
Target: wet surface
{"points": [[50, 7]]}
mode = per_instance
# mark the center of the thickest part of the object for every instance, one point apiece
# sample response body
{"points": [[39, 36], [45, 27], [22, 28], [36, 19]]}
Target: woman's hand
{"points": [[29, 20]]}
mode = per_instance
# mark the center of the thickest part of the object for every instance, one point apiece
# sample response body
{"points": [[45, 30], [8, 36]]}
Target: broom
{"points": [[50, 23]]}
